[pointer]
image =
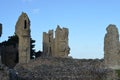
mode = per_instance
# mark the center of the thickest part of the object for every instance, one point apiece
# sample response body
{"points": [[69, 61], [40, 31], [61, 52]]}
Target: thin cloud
{"points": [[36, 11], [27, 0]]}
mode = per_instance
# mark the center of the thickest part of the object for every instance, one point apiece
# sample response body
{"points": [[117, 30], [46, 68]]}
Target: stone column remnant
{"points": [[22, 29], [0, 36], [111, 47], [48, 43]]}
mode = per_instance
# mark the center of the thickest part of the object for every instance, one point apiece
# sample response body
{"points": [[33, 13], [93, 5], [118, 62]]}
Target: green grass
{"points": [[118, 72]]}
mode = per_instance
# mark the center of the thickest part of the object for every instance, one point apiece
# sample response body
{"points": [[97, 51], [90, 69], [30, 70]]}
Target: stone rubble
{"points": [[65, 69]]}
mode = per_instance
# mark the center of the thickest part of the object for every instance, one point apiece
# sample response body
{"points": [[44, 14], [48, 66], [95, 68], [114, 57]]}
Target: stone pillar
{"points": [[22, 29], [48, 43], [45, 43], [0, 36], [50, 49], [111, 47]]}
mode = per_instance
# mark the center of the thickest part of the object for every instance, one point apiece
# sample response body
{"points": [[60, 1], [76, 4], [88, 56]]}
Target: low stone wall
{"points": [[64, 69]]}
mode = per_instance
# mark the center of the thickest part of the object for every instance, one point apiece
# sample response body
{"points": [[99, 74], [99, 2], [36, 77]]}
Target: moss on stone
{"points": [[118, 72]]}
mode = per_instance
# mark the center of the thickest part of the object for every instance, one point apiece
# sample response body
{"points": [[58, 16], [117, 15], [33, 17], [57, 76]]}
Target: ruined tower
{"points": [[48, 43], [58, 46], [61, 42], [111, 47], [22, 29]]}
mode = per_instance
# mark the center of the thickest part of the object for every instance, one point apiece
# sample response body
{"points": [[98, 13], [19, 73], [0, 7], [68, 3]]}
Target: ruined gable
{"points": [[22, 29]]}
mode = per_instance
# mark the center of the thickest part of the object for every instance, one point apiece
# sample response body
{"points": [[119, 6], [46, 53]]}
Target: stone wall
{"points": [[61, 42], [0, 36], [9, 55], [4, 74], [65, 69], [48, 43], [58, 46]]}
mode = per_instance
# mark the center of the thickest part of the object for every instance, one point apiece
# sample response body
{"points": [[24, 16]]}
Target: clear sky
{"points": [[86, 19]]}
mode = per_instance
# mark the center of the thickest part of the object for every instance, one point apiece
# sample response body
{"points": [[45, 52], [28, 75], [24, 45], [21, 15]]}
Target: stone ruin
{"points": [[58, 46], [22, 29], [54, 47], [48, 43], [112, 47], [0, 29], [9, 55], [0, 36]]}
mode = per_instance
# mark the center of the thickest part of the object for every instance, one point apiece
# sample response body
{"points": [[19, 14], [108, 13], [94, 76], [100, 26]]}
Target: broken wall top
{"points": [[0, 29], [23, 25]]}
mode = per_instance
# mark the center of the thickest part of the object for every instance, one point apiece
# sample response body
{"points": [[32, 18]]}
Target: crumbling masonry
{"points": [[0, 36], [0, 29], [112, 47], [58, 46], [22, 29]]}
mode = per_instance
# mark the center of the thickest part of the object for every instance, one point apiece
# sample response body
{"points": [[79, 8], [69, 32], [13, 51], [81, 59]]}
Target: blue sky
{"points": [[86, 19]]}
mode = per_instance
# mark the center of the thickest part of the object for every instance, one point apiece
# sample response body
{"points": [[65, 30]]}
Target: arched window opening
{"points": [[25, 24]]}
